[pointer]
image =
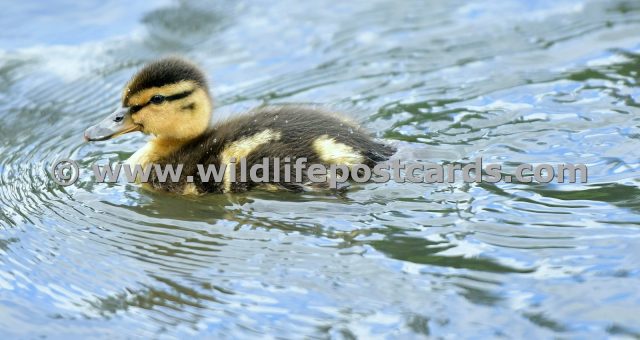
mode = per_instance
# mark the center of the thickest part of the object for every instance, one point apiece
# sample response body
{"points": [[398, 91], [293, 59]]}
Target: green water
{"points": [[446, 81]]}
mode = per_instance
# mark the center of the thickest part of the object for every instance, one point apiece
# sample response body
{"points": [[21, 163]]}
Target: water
{"points": [[537, 81]]}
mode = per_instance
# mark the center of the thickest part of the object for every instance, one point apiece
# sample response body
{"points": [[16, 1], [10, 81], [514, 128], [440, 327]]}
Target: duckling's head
{"points": [[168, 98]]}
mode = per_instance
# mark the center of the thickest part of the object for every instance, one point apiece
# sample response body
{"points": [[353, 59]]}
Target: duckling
{"points": [[170, 100]]}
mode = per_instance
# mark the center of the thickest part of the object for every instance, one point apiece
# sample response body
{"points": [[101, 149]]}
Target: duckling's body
{"points": [[180, 122], [276, 132]]}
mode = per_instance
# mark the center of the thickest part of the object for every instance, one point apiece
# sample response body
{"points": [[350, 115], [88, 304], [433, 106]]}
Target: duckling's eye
{"points": [[157, 99]]}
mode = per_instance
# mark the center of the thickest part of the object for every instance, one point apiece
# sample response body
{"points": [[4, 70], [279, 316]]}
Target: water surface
{"points": [[536, 82]]}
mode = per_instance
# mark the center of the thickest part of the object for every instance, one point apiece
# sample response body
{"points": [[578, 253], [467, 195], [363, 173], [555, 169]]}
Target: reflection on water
{"points": [[536, 82]]}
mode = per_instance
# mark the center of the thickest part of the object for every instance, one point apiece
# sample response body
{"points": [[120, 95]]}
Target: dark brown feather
{"points": [[165, 71], [298, 127]]}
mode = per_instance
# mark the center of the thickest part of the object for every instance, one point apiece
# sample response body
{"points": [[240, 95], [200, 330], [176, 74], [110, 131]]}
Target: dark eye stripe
{"points": [[177, 96]]}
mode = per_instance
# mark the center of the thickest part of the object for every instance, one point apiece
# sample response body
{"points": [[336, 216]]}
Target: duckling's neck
{"points": [[162, 147], [156, 148]]}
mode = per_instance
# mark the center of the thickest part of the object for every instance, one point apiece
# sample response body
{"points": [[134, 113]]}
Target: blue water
{"points": [[512, 82]]}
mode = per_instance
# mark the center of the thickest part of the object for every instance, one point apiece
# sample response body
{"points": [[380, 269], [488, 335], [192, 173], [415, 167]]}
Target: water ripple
{"points": [[536, 82]]}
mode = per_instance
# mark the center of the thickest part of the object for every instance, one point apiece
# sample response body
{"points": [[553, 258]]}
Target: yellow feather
{"points": [[242, 148], [333, 152]]}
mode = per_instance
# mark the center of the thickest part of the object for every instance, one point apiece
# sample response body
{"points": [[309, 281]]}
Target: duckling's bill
{"points": [[117, 123]]}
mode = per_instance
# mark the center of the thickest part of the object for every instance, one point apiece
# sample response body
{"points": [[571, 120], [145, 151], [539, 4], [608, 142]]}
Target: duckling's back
{"points": [[285, 133]]}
